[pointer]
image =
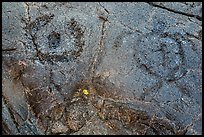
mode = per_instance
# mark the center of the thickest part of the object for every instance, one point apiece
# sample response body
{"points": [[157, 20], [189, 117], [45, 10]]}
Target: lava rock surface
{"points": [[140, 64]]}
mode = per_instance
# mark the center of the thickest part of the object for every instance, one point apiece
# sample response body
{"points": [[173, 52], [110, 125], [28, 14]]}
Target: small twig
{"points": [[9, 49]]}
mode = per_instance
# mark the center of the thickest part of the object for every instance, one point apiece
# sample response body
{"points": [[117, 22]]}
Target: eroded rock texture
{"points": [[102, 68]]}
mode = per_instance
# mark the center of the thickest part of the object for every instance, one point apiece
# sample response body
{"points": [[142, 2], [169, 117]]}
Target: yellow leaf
{"points": [[86, 92]]}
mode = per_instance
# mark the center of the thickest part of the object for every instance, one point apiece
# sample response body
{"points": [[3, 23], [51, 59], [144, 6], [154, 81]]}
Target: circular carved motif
{"points": [[162, 54], [56, 40]]}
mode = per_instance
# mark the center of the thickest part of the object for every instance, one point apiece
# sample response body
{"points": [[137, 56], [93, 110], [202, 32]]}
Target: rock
{"points": [[140, 64]]}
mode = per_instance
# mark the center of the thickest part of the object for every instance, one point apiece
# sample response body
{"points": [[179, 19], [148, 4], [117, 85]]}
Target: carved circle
{"points": [[58, 40], [162, 55]]}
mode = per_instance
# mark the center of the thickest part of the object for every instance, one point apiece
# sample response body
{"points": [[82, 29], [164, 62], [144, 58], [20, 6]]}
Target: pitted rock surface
{"points": [[140, 63]]}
